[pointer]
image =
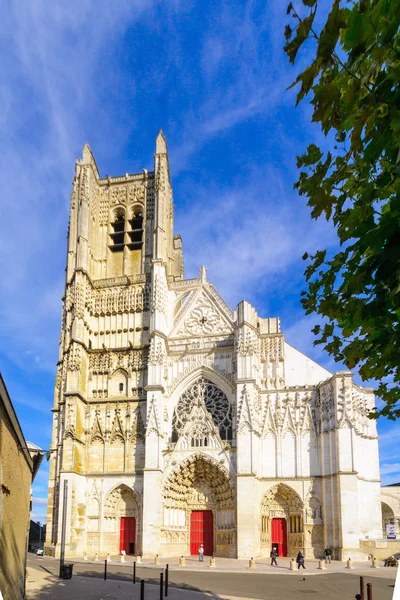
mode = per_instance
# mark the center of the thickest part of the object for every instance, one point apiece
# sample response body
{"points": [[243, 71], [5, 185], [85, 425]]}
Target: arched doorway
{"points": [[281, 521], [199, 508], [121, 521], [388, 517]]}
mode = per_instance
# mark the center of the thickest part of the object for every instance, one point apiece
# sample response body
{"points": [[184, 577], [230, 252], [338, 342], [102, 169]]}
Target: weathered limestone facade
{"points": [[171, 409]]}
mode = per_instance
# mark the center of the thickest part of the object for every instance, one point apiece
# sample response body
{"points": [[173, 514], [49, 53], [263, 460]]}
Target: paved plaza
{"points": [[228, 581]]}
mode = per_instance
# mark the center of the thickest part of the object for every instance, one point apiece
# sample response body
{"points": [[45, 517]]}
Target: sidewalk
{"points": [[42, 585], [231, 565]]}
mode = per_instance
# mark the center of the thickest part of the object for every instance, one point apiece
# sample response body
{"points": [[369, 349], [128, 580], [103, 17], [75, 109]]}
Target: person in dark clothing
{"points": [[328, 555], [300, 560], [273, 556]]}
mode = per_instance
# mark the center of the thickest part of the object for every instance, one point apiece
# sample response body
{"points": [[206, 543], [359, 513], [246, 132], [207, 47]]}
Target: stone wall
{"points": [[15, 493]]}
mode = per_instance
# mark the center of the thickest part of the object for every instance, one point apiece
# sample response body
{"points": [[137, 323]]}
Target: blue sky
{"points": [[213, 76]]}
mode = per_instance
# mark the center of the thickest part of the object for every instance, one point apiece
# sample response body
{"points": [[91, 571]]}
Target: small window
{"points": [[117, 231], [121, 387], [135, 233]]}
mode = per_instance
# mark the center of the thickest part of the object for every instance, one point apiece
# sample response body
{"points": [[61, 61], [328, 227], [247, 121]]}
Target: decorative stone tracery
{"points": [[121, 502], [216, 402]]}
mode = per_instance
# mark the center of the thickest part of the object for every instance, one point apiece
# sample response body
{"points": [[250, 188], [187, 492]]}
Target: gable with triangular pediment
{"points": [[202, 316]]}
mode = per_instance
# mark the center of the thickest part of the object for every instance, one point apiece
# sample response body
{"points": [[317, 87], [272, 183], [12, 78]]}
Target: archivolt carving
{"points": [[280, 501], [196, 361], [199, 472], [121, 502], [215, 401]]}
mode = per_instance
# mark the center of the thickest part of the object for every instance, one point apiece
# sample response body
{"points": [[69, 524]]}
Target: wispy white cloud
{"points": [[244, 72], [53, 60], [39, 502], [251, 247]]}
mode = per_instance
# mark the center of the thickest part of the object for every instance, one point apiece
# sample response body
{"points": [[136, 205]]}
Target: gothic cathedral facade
{"points": [[179, 421]]}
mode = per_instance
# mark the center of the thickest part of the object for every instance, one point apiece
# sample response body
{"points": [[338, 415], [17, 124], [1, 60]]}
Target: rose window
{"points": [[216, 402]]}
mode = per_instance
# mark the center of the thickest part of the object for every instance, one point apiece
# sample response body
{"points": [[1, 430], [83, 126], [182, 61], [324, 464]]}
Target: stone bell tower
{"points": [[119, 229]]}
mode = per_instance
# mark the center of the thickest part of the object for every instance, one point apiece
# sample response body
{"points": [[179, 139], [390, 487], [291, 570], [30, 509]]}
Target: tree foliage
{"points": [[353, 84]]}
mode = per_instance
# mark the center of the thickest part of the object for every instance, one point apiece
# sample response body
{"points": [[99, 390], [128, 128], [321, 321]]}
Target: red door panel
{"points": [[278, 536], [127, 536], [201, 531]]}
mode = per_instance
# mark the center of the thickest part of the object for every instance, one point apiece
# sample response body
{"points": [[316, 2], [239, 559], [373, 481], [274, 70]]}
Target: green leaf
{"points": [[352, 81], [302, 32]]}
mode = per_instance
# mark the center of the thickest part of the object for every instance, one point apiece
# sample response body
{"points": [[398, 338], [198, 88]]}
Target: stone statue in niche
{"points": [[314, 513]]}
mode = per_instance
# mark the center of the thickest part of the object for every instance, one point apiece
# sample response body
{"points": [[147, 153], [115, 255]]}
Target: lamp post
{"points": [[63, 525], [40, 534]]}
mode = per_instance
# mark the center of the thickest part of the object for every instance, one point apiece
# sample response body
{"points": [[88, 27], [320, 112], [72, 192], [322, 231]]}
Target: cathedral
{"points": [[178, 420]]}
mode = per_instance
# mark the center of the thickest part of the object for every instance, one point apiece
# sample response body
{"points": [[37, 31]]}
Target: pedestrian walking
{"points": [[328, 554], [300, 560], [201, 553], [273, 556]]}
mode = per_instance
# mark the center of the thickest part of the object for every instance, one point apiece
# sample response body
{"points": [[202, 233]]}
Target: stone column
{"points": [[248, 516], [152, 511]]}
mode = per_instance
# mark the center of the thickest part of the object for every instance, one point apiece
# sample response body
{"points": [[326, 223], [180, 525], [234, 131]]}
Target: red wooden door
{"points": [[127, 535], [278, 536], [201, 531]]}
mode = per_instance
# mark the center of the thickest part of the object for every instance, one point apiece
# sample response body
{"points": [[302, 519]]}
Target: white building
{"points": [[178, 420]]}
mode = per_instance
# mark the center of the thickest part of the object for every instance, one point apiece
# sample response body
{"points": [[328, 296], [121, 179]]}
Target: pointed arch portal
{"points": [[199, 508], [121, 512], [282, 520]]}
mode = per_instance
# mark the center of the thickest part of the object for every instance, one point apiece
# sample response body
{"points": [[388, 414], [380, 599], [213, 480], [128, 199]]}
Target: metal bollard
{"points": [[212, 562], [108, 557], [166, 580], [139, 560], [252, 564], [96, 557], [122, 559], [84, 556], [134, 571], [157, 560], [142, 590], [105, 569], [161, 586], [182, 561], [369, 591], [362, 587], [321, 565], [291, 565]]}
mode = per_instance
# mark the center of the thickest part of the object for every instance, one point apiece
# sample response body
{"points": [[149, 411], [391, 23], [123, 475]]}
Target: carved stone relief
{"points": [[203, 319]]}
